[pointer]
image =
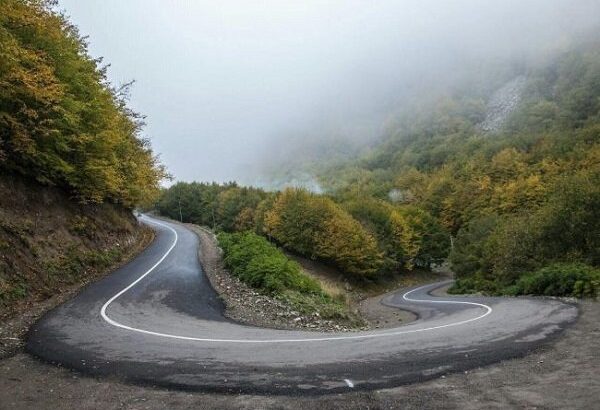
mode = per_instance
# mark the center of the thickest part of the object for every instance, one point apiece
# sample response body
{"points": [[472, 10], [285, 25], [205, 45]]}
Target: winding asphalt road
{"points": [[158, 321]]}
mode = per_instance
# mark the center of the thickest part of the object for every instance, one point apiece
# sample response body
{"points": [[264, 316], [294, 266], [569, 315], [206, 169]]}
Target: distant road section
{"points": [[158, 321]]}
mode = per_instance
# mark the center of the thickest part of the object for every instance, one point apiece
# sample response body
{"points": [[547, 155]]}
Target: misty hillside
{"points": [[559, 98], [499, 173], [516, 200], [507, 165]]}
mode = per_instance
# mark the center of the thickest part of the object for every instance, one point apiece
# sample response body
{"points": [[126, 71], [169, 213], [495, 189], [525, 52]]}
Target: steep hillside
{"points": [[73, 160], [48, 243]]}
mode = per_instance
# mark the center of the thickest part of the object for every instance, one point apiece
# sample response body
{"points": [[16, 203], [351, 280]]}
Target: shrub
{"points": [[474, 284], [560, 279], [263, 266], [260, 264]]}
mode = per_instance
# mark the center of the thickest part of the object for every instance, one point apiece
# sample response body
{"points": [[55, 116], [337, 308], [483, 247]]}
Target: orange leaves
{"points": [[406, 236], [315, 226]]}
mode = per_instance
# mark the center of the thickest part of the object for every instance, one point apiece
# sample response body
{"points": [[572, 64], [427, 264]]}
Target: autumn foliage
{"points": [[61, 122], [315, 226], [516, 200], [306, 223]]}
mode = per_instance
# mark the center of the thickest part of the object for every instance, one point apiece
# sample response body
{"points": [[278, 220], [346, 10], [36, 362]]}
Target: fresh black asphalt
{"points": [[168, 329]]}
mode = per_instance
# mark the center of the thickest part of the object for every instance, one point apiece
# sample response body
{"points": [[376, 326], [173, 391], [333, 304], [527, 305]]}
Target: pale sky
{"points": [[220, 80]]}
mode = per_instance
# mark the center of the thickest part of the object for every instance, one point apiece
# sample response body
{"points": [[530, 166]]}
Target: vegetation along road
{"points": [[158, 321]]}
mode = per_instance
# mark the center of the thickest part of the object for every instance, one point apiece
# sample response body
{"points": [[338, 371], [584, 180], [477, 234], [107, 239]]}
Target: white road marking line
{"points": [[316, 339], [349, 383], [111, 300]]}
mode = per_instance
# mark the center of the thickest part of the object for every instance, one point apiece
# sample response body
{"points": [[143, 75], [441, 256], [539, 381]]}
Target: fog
{"points": [[227, 86]]}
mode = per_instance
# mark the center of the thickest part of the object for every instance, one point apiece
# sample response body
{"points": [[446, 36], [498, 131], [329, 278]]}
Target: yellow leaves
{"points": [[483, 183], [591, 160], [315, 226], [551, 167], [406, 237], [507, 163], [272, 218], [519, 193], [343, 240], [414, 181], [244, 220], [60, 123]]}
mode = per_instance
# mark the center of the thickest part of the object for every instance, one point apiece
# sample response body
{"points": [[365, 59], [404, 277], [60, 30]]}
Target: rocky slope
{"points": [[503, 103]]}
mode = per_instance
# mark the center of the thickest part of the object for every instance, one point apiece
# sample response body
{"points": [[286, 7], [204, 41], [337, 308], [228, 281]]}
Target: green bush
{"points": [[260, 264], [560, 279], [474, 284]]}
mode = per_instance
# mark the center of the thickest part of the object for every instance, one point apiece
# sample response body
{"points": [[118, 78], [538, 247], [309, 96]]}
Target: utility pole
{"points": [[180, 215], [213, 216]]}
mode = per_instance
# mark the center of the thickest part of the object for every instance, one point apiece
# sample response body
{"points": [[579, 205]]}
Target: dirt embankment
{"points": [[50, 246]]}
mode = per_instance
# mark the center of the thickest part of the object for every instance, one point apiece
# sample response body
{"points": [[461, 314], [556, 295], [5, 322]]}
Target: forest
{"points": [[61, 122], [516, 200], [508, 208], [515, 210], [363, 238]]}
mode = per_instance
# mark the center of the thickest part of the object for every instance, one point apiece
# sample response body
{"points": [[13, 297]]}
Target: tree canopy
{"points": [[61, 122]]}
